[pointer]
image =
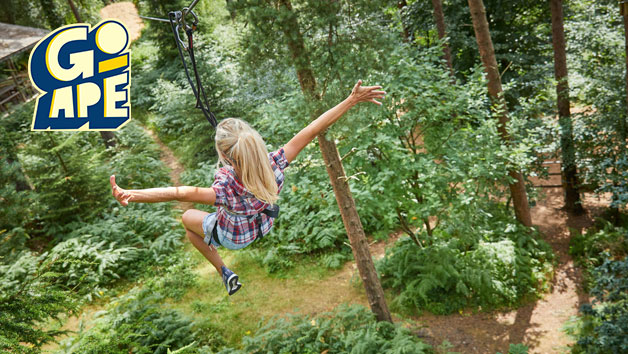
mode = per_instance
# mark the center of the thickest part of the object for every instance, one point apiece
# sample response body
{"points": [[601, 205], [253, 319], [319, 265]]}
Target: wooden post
{"points": [[18, 87]]}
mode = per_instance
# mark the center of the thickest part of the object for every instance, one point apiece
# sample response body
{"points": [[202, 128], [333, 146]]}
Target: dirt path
{"points": [[167, 157], [126, 13], [539, 324]]}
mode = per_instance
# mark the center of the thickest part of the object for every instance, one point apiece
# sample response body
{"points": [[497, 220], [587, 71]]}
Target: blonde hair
{"points": [[241, 146]]}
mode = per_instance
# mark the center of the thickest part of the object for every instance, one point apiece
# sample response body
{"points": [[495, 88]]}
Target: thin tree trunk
{"points": [[77, 16], [569, 172], [348, 211], [487, 53], [63, 165], [109, 138], [622, 121], [439, 18]]}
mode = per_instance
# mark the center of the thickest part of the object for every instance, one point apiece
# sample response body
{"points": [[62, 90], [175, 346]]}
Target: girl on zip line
{"points": [[245, 188]]}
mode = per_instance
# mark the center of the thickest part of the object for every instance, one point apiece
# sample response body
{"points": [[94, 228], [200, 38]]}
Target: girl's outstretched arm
{"points": [[167, 194], [358, 94]]}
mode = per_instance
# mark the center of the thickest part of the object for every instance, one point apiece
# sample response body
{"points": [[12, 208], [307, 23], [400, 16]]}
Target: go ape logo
{"points": [[83, 76]]}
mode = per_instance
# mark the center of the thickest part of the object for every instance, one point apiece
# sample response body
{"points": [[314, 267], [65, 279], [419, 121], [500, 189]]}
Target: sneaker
{"points": [[231, 280]]}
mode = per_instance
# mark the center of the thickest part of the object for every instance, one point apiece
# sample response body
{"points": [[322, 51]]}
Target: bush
{"points": [[604, 323], [139, 322], [125, 243], [31, 294], [592, 248], [495, 263], [348, 329], [135, 323]]}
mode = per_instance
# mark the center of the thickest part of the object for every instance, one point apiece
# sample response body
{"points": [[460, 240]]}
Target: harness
{"points": [[272, 212]]}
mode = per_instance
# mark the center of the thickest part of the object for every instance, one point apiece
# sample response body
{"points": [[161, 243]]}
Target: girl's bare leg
{"points": [[193, 222]]}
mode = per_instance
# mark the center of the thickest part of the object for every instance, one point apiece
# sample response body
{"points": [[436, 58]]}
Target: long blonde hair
{"points": [[241, 146]]}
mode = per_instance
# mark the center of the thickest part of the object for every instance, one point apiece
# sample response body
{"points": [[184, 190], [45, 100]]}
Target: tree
{"points": [[439, 18], [569, 172], [487, 53], [285, 23]]}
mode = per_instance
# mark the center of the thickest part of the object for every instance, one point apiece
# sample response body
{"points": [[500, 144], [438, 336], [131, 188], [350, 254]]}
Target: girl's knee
{"points": [[193, 220], [189, 216]]}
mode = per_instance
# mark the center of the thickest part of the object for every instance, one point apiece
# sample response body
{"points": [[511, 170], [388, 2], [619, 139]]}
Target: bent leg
{"points": [[193, 222]]}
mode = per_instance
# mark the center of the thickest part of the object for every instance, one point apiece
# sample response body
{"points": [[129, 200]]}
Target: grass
{"points": [[307, 288]]}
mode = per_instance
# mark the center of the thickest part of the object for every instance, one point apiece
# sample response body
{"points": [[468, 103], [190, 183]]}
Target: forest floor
{"points": [[536, 324], [311, 289]]}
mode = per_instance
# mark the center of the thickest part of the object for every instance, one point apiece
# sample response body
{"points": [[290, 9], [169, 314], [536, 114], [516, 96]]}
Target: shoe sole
{"points": [[234, 285]]}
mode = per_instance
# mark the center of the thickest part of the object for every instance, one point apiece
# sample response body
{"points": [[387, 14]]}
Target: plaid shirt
{"points": [[233, 198]]}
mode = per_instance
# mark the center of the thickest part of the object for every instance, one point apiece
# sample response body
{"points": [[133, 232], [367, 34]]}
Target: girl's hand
{"points": [[123, 196], [366, 93]]}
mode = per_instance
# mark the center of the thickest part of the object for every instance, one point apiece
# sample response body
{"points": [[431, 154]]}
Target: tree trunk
{"points": [[77, 16], [487, 53], [569, 172], [439, 18], [109, 138], [348, 211]]}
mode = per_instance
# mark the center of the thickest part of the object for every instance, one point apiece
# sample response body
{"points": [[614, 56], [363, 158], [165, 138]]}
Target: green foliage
{"points": [[135, 322], [348, 329], [123, 244], [520, 31], [138, 321], [600, 131], [517, 349], [163, 90], [30, 294], [496, 263], [602, 240], [604, 323], [49, 14], [70, 201]]}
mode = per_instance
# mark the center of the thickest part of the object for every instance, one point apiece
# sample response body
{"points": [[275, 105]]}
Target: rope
{"points": [[177, 20]]}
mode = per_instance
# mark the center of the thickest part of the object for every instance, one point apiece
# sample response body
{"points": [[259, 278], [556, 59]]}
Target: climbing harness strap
{"points": [[177, 21], [272, 212]]}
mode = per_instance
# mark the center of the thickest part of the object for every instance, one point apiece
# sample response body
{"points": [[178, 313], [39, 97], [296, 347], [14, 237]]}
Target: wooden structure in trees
{"points": [[14, 40]]}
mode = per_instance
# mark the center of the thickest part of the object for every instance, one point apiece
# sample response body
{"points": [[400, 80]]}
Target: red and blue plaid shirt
{"points": [[237, 207]]}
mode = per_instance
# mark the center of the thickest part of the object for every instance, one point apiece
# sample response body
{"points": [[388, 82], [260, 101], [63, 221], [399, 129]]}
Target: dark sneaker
{"points": [[231, 280]]}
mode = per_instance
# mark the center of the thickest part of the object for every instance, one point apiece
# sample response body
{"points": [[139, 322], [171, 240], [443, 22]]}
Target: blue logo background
{"points": [[46, 82]]}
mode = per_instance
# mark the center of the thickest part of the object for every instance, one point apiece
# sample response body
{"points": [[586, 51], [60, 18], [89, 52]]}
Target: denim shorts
{"points": [[209, 222]]}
